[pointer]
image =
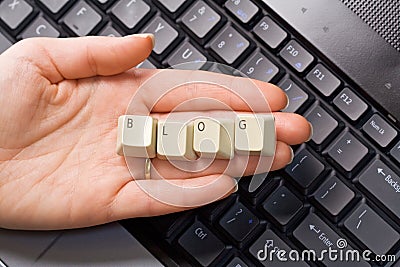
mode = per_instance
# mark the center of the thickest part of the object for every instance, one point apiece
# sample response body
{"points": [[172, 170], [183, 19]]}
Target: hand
{"points": [[60, 102]]}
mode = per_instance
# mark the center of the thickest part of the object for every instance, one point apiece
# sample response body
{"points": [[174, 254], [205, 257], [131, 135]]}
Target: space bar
{"points": [[349, 43]]}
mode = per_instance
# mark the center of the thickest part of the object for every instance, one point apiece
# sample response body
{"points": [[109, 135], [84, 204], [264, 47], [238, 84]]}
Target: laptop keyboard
{"points": [[343, 183]]}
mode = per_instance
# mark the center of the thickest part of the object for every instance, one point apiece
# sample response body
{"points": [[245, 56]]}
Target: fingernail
{"points": [[311, 132], [236, 188], [146, 35], [287, 103], [291, 155]]}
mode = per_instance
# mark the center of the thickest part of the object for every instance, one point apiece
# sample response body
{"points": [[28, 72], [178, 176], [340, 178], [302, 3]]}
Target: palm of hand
{"points": [[71, 142], [58, 166]]}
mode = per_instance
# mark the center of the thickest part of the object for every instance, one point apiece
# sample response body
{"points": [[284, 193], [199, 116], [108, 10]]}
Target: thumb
{"points": [[83, 57]]}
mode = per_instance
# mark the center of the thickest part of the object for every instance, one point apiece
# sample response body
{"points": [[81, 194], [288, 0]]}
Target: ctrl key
{"points": [[201, 244], [136, 136]]}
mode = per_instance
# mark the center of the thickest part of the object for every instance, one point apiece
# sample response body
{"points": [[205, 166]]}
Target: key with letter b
{"points": [[136, 136], [255, 134], [214, 139]]}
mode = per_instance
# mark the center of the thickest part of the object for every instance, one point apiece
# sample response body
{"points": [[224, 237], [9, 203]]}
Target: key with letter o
{"points": [[214, 138]]}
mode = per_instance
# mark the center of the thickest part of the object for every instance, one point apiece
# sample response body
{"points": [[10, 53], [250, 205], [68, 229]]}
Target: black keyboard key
{"points": [[14, 12], [109, 31], [316, 235], [259, 67], [164, 34], [130, 12], [54, 6], [297, 97], [322, 79], [283, 205], [384, 184], [82, 19], [187, 57], [269, 32], [371, 229], [305, 168], [334, 195], [350, 104], [213, 210], [236, 262], [40, 28], [146, 65], [323, 124], [297, 57], [244, 10], [379, 130], [229, 45], [347, 151], [395, 152], [267, 242], [201, 19], [4, 42], [201, 243], [169, 224], [239, 222], [172, 6]]}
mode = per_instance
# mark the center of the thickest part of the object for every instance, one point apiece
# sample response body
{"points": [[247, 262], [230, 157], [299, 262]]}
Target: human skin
{"points": [[59, 106]]}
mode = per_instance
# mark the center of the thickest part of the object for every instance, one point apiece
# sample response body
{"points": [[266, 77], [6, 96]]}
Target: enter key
{"points": [[384, 184], [321, 241]]}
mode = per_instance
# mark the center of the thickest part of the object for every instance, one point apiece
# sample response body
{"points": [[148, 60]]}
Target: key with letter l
{"points": [[255, 134], [136, 136], [175, 141]]}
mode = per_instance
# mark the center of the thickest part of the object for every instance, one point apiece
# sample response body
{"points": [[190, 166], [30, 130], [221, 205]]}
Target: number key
{"points": [[229, 45], [350, 104], [259, 67], [244, 10], [201, 19]]}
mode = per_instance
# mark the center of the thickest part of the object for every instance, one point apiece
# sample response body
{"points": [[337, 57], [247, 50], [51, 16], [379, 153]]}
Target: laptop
{"points": [[339, 63]]}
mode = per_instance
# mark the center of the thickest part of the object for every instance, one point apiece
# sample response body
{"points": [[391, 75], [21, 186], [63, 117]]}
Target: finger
{"points": [[283, 156], [237, 167], [292, 128], [201, 90], [155, 197], [74, 58]]}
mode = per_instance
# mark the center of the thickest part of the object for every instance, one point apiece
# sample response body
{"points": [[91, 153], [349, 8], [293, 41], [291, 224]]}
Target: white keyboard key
{"points": [[214, 138], [136, 136], [255, 134], [175, 141]]}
